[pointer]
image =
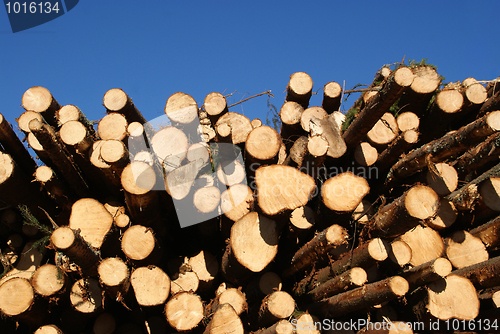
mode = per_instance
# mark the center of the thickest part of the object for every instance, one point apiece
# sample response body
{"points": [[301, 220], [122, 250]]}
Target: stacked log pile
{"points": [[385, 217]]}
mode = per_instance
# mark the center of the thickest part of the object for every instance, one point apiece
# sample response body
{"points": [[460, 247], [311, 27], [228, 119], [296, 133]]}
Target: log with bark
{"points": [[332, 93], [299, 89], [116, 100], [40, 100]]}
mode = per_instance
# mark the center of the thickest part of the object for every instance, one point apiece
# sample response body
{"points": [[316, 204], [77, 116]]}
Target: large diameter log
{"points": [[48, 280], [252, 246], [332, 92], [262, 146], [463, 249], [482, 275], [447, 298], [282, 188], [70, 242], [151, 285], [116, 100], [170, 146], [39, 99], [344, 192], [16, 296], [86, 295], [278, 305], [405, 212], [361, 298], [299, 88], [427, 272], [452, 143], [329, 128], [384, 131], [92, 219], [392, 89], [59, 156], [225, 320], [425, 243], [424, 84], [12, 145], [138, 242], [333, 239], [400, 145], [184, 311], [489, 233], [348, 280], [181, 108]]}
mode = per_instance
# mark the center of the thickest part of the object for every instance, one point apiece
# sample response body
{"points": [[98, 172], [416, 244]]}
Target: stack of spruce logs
{"points": [[387, 214]]}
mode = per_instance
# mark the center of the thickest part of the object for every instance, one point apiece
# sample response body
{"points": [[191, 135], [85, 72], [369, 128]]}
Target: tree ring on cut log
{"points": [[138, 242], [207, 199], [407, 121], [420, 202], [426, 80], [231, 172], [184, 311], [26, 117], [181, 108], [113, 151], [115, 99], [16, 296], [215, 103], [291, 112], [476, 93], [170, 145], [254, 241], [404, 77], [300, 83], [400, 253], [317, 146], [378, 249], [445, 217], [86, 295], [450, 100], [384, 131], [93, 220], [344, 192], [463, 249], [151, 285], [235, 298], [138, 178]]}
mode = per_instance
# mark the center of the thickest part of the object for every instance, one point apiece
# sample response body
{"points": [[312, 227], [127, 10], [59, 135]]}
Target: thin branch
{"points": [[362, 90], [251, 97]]}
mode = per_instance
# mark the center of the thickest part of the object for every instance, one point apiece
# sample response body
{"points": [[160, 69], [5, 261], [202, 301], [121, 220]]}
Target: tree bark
{"points": [[400, 145], [299, 89], [483, 275], [332, 92], [116, 100], [489, 233], [330, 128], [427, 272], [348, 280], [442, 178], [281, 327], [478, 156]]}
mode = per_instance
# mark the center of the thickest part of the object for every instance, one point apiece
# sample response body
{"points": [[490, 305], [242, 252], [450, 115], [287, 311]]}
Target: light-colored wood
{"points": [[475, 92], [384, 131], [56, 189], [184, 311], [151, 285], [489, 191], [92, 219], [281, 327], [69, 113], [233, 127], [407, 121], [236, 201], [215, 105], [463, 249], [263, 144], [442, 178], [308, 114], [363, 212], [116, 100], [199, 152], [170, 146], [302, 218], [187, 281], [181, 108], [74, 133], [48, 280], [256, 123], [235, 298], [112, 126], [348, 280], [225, 320], [282, 188], [25, 118], [445, 217], [344, 192], [114, 276], [86, 295], [115, 153], [304, 324], [277, 305], [30, 259], [365, 154], [206, 266], [427, 272], [332, 93], [489, 233], [426, 80], [48, 329], [425, 243], [400, 253], [207, 199], [39, 99], [138, 242], [179, 181], [16, 296]]}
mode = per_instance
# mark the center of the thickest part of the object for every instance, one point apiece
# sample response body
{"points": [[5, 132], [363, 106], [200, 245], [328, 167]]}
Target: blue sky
{"points": [[156, 48]]}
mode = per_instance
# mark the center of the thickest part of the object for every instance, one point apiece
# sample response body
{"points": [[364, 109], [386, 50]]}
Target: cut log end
{"points": [[309, 113], [365, 154], [235, 298], [291, 112], [113, 272], [400, 253], [138, 178], [151, 285], [378, 249], [138, 242], [73, 132], [399, 286], [300, 83], [446, 215], [463, 249], [280, 304], [25, 118], [37, 98], [215, 104], [16, 296], [384, 131], [181, 108], [344, 192], [426, 80], [443, 179], [86, 296], [113, 126], [421, 202], [184, 311], [407, 121], [47, 280], [236, 201], [263, 143]]}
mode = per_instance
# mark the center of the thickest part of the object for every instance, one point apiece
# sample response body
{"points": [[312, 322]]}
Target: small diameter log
{"points": [[403, 143], [92, 219], [111, 179], [361, 298], [365, 154], [59, 156], [178, 182], [282, 188], [86, 295], [365, 255], [56, 189], [425, 243], [405, 212], [299, 88], [384, 131], [392, 89], [75, 134], [170, 146], [256, 123], [138, 242], [233, 297], [344, 192], [301, 220], [115, 153], [184, 311], [304, 324], [478, 156], [114, 276], [233, 128], [181, 108], [489, 233], [408, 121], [310, 113], [330, 128], [215, 105], [278, 305], [442, 178], [237, 201], [445, 217], [452, 143], [112, 126], [199, 152], [252, 246], [12, 145], [447, 298], [138, 180], [48, 329], [290, 115], [206, 199], [70, 242], [348, 280], [427, 272], [281, 327], [225, 320], [333, 239], [332, 92], [151, 285], [39, 99], [48, 280], [231, 172], [116, 100], [463, 249], [25, 118], [16, 297], [317, 147], [400, 253], [262, 146], [184, 281], [297, 153], [70, 113], [206, 267]]}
